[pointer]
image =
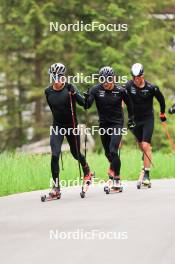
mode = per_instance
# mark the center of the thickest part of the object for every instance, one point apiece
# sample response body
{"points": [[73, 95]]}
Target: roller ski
{"points": [[87, 180], [113, 185], [144, 180], [54, 194]]}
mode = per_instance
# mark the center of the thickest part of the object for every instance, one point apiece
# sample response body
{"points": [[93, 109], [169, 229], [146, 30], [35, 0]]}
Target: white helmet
{"points": [[137, 69], [57, 68]]}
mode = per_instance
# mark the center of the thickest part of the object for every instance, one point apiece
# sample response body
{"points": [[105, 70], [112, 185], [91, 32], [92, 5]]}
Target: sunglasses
{"points": [[138, 78], [58, 78], [108, 79]]}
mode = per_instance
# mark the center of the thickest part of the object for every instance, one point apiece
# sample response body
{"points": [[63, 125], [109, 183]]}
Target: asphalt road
{"points": [[136, 226]]}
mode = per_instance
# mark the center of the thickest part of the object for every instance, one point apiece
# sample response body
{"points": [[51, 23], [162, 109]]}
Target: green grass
{"points": [[21, 173]]}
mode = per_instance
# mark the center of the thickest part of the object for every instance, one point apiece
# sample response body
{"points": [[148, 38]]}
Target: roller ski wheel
{"points": [[82, 194], [43, 198], [139, 184], [107, 190]]}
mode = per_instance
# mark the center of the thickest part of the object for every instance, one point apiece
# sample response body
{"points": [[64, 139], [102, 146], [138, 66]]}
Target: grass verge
{"points": [[21, 172]]}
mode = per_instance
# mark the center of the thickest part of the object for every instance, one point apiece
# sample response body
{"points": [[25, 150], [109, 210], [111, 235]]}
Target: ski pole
{"points": [[165, 128], [119, 150], [76, 143], [62, 165], [85, 140], [86, 121]]}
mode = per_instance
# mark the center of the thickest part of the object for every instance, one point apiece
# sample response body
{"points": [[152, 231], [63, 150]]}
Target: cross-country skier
{"points": [[62, 98], [108, 97], [142, 94]]}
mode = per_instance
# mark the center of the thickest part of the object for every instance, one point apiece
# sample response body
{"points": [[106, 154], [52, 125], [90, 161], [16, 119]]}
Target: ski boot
{"points": [[87, 180], [113, 185], [146, 181], [54, 194]]}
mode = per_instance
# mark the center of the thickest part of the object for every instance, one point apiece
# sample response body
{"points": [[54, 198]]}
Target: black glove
{"points": [[171, 110], [162, 117], [131, 123], [86, 95], [71, 89]]}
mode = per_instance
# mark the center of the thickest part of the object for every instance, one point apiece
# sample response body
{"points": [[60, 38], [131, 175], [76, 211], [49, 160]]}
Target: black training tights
{"points": [[55, 143], [111, 145]]}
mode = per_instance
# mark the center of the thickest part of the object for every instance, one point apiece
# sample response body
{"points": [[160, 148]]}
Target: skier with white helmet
{"points": [[142, 94]]}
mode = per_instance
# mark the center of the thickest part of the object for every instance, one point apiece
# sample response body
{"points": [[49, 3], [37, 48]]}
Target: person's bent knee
{"points": [[77, 155], [108, 156], [146, 146], [114, 154], [74, 154]]}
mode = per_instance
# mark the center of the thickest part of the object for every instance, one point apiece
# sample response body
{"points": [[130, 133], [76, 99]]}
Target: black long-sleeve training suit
{"points": [[60, 105], [109, 107], [142, 99]]}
